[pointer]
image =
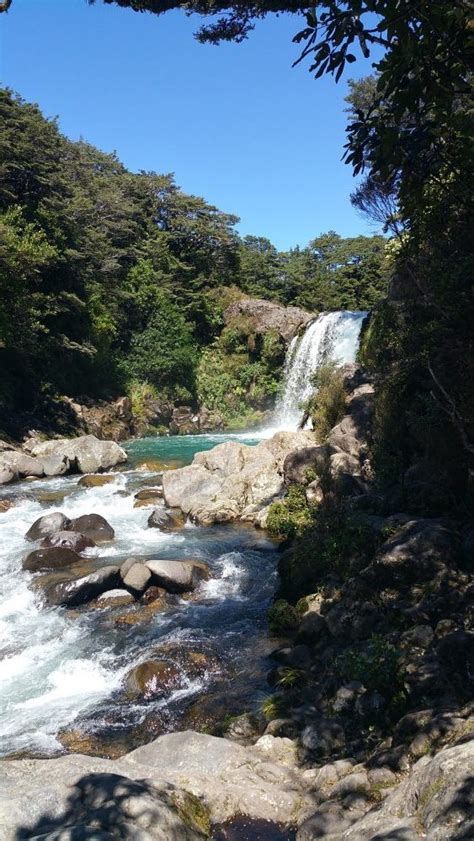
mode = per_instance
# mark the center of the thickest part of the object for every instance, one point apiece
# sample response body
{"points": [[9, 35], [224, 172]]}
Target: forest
{"points": [[123, 276]]}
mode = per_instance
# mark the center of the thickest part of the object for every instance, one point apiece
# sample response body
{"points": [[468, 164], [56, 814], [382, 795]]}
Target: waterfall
{"points": [[333, 335]]}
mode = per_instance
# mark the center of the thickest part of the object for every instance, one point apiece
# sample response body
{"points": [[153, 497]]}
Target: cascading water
{"points": [[333, 335]]}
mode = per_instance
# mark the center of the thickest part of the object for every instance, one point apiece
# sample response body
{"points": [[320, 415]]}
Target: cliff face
{"points": [[264, 316]]}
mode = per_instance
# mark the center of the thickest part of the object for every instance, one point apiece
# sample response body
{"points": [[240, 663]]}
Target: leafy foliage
{"points": [[290, 516], [327, 405], [123, 277]]}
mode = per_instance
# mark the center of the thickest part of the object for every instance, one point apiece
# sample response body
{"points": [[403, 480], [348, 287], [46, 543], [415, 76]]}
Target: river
{"points": [[63, 671]]}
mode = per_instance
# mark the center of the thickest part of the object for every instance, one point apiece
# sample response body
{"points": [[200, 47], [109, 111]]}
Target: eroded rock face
{"points": [[264, 316], [232, 481]]}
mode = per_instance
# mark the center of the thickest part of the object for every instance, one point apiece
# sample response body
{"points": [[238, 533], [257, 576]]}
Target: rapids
{"points": [[58, 666]]}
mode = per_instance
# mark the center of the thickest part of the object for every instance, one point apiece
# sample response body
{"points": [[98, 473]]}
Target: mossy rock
{"points": [[193, 812]]}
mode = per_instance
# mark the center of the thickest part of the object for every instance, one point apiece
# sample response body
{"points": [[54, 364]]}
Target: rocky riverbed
{"points": [[158, 624]]}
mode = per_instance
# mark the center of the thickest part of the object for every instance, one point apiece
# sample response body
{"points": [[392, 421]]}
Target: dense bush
{"points": [[291, 515]]}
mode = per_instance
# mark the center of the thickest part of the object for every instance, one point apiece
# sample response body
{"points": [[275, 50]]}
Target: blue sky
{"points": [[235, 123]]}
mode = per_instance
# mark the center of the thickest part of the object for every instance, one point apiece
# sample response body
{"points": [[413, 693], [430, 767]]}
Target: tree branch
{"points": [[449, 407]]}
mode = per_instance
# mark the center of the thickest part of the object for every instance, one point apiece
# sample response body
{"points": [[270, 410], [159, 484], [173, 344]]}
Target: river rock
{"points": [[93, 526], [152, 678], [166, 520], [86, 454], [47, 525], [55, 464], [20, 464], [149, 494], [115, 598], [299, 464], [136, 578], [177, 576], [6, 475], [84, 798], [51, 558], [232, 481], [96, 480], [68, 540], [82, 590]]}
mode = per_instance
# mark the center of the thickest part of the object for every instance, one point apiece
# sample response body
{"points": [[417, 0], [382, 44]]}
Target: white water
{"points": [[333, 335], [55, 665]]}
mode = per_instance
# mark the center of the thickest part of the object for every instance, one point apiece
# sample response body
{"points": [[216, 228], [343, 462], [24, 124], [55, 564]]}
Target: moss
{"points": [[429, 792], [193, 813]]}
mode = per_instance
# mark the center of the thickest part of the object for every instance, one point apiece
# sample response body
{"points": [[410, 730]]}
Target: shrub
{"points": [[291, 515], [283, 618], [327, 405], [377, 667]]}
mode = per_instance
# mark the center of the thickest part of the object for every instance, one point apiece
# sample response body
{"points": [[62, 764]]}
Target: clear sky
{"points": [[235, 123]]}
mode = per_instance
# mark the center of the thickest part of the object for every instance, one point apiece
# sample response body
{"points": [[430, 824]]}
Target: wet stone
{"points": [[68, 540], [114, 598], [47, 525], [54, 557], [93, 526], [96, 480]]}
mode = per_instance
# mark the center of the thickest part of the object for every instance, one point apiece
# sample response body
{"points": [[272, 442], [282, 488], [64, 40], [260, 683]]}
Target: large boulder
{"points": [[20, 464], [83, 797], [417, 552], [140, 795], [56, 464], [233, 481], [152, 678], [93, 526], [47, 525], [6, 474], [299, 465], [229, 778], [53, 558], [68, 540], [165, 520], [86, 454], [84, 589], [177, 576]]}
